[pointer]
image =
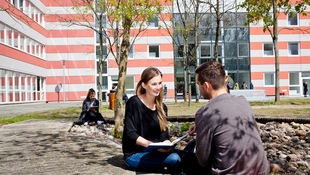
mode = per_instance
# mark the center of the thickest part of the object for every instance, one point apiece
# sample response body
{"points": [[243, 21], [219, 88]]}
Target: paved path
{"points": [[11, 110], [45, 147]]}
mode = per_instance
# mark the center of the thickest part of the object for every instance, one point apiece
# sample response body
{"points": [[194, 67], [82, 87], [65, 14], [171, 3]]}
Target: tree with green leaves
{"points": [[122, 17], [268, 11]]}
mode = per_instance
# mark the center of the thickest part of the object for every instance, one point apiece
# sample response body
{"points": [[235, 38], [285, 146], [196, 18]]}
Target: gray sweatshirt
{"points": [[227, 139]]}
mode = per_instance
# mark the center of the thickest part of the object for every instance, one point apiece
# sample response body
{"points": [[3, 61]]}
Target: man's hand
{"points": [[192, 130]]}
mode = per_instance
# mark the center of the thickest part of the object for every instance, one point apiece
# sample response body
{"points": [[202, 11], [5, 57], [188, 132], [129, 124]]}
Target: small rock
{"points": [[275, 168], [301, 132]]}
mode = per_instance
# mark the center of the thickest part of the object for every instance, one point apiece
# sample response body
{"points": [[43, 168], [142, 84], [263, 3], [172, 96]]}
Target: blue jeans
{"points": [[153, 161]]}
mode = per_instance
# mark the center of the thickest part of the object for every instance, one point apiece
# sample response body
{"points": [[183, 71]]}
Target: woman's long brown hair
{"points": [[148, 74]]}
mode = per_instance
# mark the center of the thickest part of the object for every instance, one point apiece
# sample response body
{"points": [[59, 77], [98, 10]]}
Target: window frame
{"points": [[269, 85], [148, 51], [271, 49], [297, 20], [298, 48]]}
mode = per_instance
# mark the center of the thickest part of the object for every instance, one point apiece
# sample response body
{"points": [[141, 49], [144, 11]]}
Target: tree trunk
{"points": [[185, 64], [189, 86], [217, 35], [175, 83], [122, 68], [196, 47], [276, 52], [100, 62]]}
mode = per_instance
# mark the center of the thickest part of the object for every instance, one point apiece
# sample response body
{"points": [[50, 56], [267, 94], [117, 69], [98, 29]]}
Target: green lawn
{"points": [[287, 107]]}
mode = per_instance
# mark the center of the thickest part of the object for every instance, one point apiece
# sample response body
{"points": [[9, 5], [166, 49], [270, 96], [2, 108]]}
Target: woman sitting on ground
{"points": [[145, 123], [90, 110]]}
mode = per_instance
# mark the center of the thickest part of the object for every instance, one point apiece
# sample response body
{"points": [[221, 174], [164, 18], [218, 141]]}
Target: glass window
{"points": [[104, 82], [1, 33], [229, 19], [98, 51], [154, 51], [243, 50], [269, 78], [205, 51], [241, 19], [230, 34], [230, 64], [230, 49], [178, 50], [130, 82], [293, 19], [219, 50], [9, 36], [293, 48], [243, 34], [104, 22], [130, 54], [305, 74], [268, 49], [104, 67], [294, 78], [244, 63], [22, 42], [205, 34], [103, 38], [154, 22]]}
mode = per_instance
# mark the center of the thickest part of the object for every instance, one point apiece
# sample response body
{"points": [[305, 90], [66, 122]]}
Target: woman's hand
{"points": [[192, 130]]}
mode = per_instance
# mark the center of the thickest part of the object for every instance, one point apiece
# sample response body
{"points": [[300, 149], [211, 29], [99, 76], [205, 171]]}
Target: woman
{"points": [[145, 123], [90, 110], [236, 87]]}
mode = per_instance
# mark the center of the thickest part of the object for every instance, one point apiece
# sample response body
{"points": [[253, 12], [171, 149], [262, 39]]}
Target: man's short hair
{"points": [[212, 72]]}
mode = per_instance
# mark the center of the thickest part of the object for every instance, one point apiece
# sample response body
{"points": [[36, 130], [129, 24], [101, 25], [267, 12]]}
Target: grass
{"points": [[27, 117], [295, 108]]}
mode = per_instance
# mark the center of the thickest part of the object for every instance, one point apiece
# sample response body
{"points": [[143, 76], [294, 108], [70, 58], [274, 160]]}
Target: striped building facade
{"points": [[44, 58]]}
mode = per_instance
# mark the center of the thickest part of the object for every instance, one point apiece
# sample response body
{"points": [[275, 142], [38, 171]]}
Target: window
{"points": [[269, 79], [154, 22], [294, 78], [98, 51], [293, 48], [268, 49], [154, 51], [130, 54], [243, 50], [103, 68], [293, 19], [1, 33], [205, 51], [104, 22]]}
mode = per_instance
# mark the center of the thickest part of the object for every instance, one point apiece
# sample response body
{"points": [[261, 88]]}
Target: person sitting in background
{"points": [[244, 86], [90, 110], [236, 87]]}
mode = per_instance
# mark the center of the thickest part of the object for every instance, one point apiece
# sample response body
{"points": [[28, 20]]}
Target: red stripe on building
{"points": [[257, 75], [70, 33], [140, 47], [165, 17], [284, 30], [283, 60], [305, 17], [305, 45], [283, 75], [71, 64], [63, 3], [72, 96], [166, 47], [271, 90], [69, 18], [71, 80], [144, 63], [70, 49], [166, 78], [21, 56], [12, 10], [147, 32]]}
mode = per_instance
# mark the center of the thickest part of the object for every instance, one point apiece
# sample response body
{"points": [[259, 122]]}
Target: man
{"points": [[227, 141]]}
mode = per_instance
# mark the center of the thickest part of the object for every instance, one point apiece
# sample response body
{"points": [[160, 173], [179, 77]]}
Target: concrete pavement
{"points": [[45, 147]]}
